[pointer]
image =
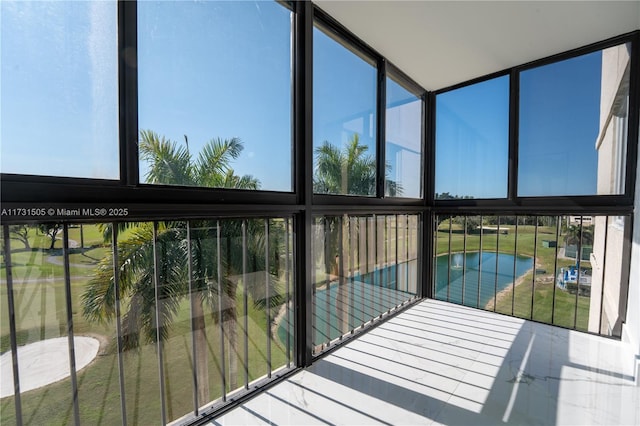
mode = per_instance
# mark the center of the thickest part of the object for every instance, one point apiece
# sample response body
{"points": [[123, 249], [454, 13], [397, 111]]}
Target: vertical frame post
{"points": [[287, 224], [449, 261], [381, 112], [12, 324], [514, 110], [555, 270], [267, 290], [464, 258], [119, 342], [604, 270], [70, 340], [303, 153], [245, 304], [515, 256], [158, 319], [535, 258], [192, 311], [221, 306], [480, 263], [495, 282], [128, 91], [578, 261]]}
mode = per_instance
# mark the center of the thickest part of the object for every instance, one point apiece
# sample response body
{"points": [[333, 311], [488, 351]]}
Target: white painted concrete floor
{"points": [[439, 363]]}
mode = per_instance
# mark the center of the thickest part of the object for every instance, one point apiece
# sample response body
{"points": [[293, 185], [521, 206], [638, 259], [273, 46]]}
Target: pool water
{"points": [[481, 275], [364, 297]]}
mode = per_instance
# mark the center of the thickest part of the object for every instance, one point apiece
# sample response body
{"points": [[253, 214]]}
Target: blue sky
{"points": [[205, 69], [219, 69], [59, 89], [559, 119], [344, 95], [558, 127], [472, 137], [223, 69]]}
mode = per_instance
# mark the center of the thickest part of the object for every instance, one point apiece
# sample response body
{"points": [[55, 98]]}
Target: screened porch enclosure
{"points": [[216, 211]]}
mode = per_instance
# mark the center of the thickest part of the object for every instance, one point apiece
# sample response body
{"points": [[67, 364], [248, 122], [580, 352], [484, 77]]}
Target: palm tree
{"points": [[173, 165], [182, 249], [578, 235], [351, 171]]}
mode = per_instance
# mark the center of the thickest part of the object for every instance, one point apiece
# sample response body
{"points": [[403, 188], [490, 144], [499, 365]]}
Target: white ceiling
{"points": [[441, 43]]}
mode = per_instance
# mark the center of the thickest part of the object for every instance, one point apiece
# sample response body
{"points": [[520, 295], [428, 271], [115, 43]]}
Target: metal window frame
{"points": [[357, 46], [534, 203], [149, 202]]}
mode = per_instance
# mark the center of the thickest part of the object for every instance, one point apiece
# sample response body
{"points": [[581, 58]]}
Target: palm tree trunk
{"points": [[342, 296], [232, 327], [230, 318], [200, 340]]}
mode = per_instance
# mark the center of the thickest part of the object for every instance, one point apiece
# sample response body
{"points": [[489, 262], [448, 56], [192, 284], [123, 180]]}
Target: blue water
{"points": [[369, 295], [366, 296], [487, 282]]}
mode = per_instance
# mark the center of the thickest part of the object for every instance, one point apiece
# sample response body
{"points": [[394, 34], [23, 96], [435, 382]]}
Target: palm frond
{"points": [[151, 290], [168, 163], [106, 229], [246, 182], [216, 156], [137, 283], [328, 169], [99, 297]]}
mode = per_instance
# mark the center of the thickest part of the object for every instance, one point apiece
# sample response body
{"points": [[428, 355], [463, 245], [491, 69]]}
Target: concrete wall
{"points": [[616, 60], [611, 274], [631, 329], [611, 146]]}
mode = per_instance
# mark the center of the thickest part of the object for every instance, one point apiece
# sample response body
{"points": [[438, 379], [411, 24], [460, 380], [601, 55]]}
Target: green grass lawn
{"points": [[562, 312], [99, 383], [40, 301]]}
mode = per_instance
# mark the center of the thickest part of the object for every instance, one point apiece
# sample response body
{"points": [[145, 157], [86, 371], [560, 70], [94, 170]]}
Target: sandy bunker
{"points": [[45, 362]]}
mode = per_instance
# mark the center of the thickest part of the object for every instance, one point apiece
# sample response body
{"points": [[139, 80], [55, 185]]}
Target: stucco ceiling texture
{"points": [[441, 43]]}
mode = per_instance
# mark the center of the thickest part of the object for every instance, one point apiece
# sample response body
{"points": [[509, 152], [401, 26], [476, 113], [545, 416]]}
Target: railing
{"points": [[142, 323], [567, 271], [161, 322], [365, 267]]}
